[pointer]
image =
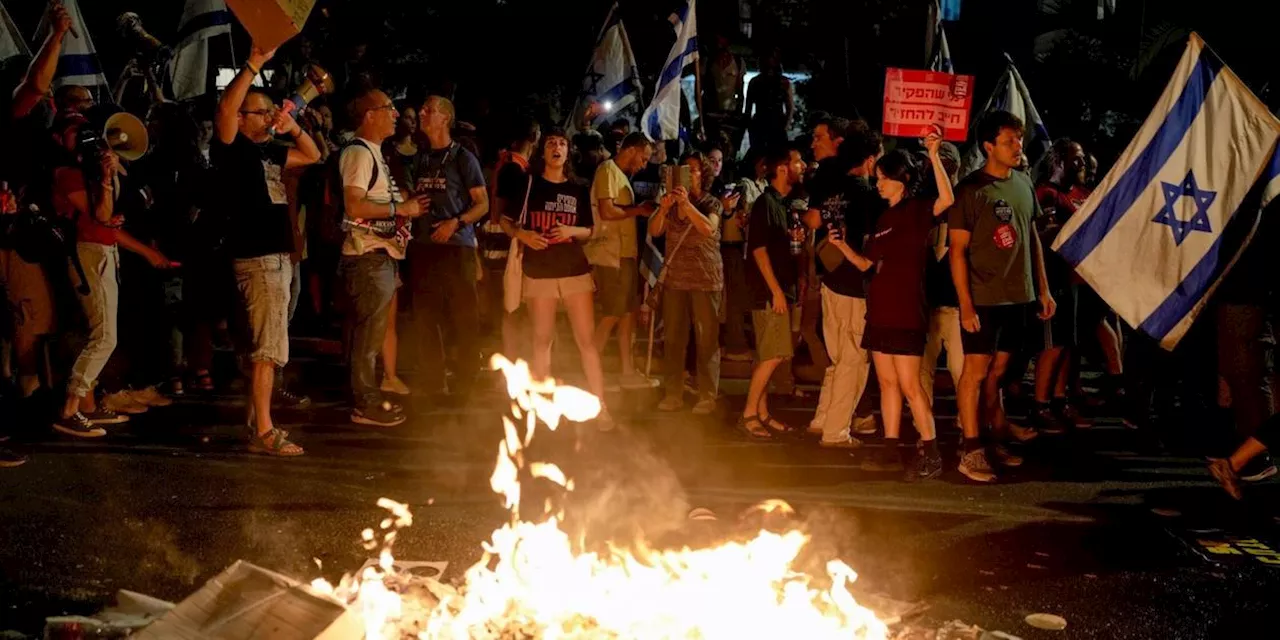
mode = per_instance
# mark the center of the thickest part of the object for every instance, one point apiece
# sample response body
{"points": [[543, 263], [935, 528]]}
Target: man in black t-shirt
{"points": [[772, 278], [250, 165], [843, 204]]}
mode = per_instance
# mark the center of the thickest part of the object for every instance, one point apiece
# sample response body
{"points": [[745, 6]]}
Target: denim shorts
{"points": [[264, 283]]}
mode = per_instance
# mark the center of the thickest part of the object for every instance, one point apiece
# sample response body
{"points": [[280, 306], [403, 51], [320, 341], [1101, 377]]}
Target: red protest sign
{"points": [[915, 101]]}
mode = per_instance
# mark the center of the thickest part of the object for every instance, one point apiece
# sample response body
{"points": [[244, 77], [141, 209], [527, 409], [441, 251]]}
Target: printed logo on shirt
{"points": [[273, 173], [1005, 235], [429, 184], [563, 211]]}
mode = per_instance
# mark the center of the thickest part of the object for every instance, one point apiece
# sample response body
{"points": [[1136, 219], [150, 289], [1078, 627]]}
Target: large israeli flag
{"points": [[1172, 216], [201, 20], [11, 42], [611, 80], [661, 121], [78, 63]]}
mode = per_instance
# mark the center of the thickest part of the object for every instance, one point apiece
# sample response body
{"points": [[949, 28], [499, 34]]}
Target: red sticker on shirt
{"points": [[1005, 236]]}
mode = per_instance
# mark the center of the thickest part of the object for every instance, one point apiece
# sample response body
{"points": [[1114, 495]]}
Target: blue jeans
{"points": [[369, 281]]}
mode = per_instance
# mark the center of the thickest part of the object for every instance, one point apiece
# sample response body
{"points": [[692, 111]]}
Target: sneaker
{"points": [[79, 426], [848, 443], [635, 380], [705, 406], [150, 397], [883, 459], [1258, 469], [394, 385], [925, 466], [1069, 414], [122, 402], [1042, 420], [975, 467], [1222, 472], [286, 399], [671, 403], [865, 425], [1006, 458], [605, 421], [814, 429], [378, 415], [1021, 433], [738, 356], [9, 459], [104, 415]]}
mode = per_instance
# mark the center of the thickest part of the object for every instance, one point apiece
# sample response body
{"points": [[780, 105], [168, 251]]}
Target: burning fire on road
{"points": [[534, 581]]}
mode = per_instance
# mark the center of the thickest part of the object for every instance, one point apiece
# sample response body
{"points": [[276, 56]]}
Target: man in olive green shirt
{"points": [[995, 254]]}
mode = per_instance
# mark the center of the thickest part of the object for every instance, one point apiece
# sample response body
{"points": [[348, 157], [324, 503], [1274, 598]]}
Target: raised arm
{"points": [[39, 77], [225, 124], [946, 197]]}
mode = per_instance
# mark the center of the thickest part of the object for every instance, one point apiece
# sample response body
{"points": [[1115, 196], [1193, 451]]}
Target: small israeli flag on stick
{"points": [[78, 63]]}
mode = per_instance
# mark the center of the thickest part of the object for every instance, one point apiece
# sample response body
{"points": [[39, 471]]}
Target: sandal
{"points": [[775, 425], [754, 428], [274, 443]]}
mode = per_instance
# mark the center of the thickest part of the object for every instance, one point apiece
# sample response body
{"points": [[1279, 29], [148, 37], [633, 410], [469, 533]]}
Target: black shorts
{"points": [[1001, 328], [894, 342], [1061, 330]]}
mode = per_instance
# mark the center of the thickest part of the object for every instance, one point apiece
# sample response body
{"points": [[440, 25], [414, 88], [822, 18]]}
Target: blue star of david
{"points": [[1202, 199]]}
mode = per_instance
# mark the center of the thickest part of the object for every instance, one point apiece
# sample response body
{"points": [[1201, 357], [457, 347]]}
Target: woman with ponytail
{"points": [[897, 322]]}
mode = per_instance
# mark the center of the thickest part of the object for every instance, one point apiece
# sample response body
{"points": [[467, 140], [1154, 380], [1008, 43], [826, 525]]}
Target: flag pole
{"points": [[653, 320]]}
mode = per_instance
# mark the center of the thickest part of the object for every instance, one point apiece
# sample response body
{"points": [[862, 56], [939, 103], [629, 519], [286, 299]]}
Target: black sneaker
{"points": [[1258, 469], [1044, 420], [286, 399], [104, 415], [927, 465], [378, 415], [883, 459], [10, 459], [79, 426]]}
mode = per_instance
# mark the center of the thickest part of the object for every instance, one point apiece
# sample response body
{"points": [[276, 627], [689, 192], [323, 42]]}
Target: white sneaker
{"points": [[865, 425], [123, 402], [975, 467], [150, 397]]}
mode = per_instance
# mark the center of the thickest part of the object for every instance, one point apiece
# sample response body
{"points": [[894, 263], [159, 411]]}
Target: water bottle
{"points": [[798, 207]]}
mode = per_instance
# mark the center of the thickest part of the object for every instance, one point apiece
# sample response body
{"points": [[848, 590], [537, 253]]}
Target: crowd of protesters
{"points": [[865, 259]]}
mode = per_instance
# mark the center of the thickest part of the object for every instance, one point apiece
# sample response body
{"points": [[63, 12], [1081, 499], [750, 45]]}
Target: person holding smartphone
{"points": [[690, 219], [897, 322]]}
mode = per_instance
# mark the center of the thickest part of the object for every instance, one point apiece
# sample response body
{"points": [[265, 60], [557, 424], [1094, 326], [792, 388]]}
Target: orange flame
{"points": [[532, 583]]}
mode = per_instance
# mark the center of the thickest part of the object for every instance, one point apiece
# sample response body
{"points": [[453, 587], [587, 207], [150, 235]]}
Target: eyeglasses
{"points": [[389, 106], [258, 112]]}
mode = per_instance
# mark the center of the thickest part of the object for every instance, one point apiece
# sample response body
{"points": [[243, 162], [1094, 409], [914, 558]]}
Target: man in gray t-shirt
{"points": [[995, 254]]}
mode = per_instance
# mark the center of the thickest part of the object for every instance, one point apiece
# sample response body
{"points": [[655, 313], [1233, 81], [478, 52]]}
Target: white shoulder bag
{"points": [[513, 277]]}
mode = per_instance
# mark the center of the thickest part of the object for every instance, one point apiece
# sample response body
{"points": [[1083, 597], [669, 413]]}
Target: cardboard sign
{"points": [[271, 22], [915, 101]]}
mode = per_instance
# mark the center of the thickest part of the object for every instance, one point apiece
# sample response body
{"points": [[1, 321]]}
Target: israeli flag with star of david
{"points": [[1172, 216]]}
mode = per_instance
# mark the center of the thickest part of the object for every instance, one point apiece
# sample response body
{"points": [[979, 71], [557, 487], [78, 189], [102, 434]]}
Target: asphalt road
{"points": [[1096, 528]]}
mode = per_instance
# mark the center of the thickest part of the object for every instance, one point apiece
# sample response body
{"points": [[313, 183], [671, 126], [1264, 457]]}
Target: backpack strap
{"points": [[373, 179]]}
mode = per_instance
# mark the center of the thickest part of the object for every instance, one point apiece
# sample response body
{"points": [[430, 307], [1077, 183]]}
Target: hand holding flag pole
{"points": [[60, 19]]}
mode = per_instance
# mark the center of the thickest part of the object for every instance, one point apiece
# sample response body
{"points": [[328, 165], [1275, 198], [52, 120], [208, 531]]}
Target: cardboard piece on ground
{"points": [[247, 601], [271, 22]]}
